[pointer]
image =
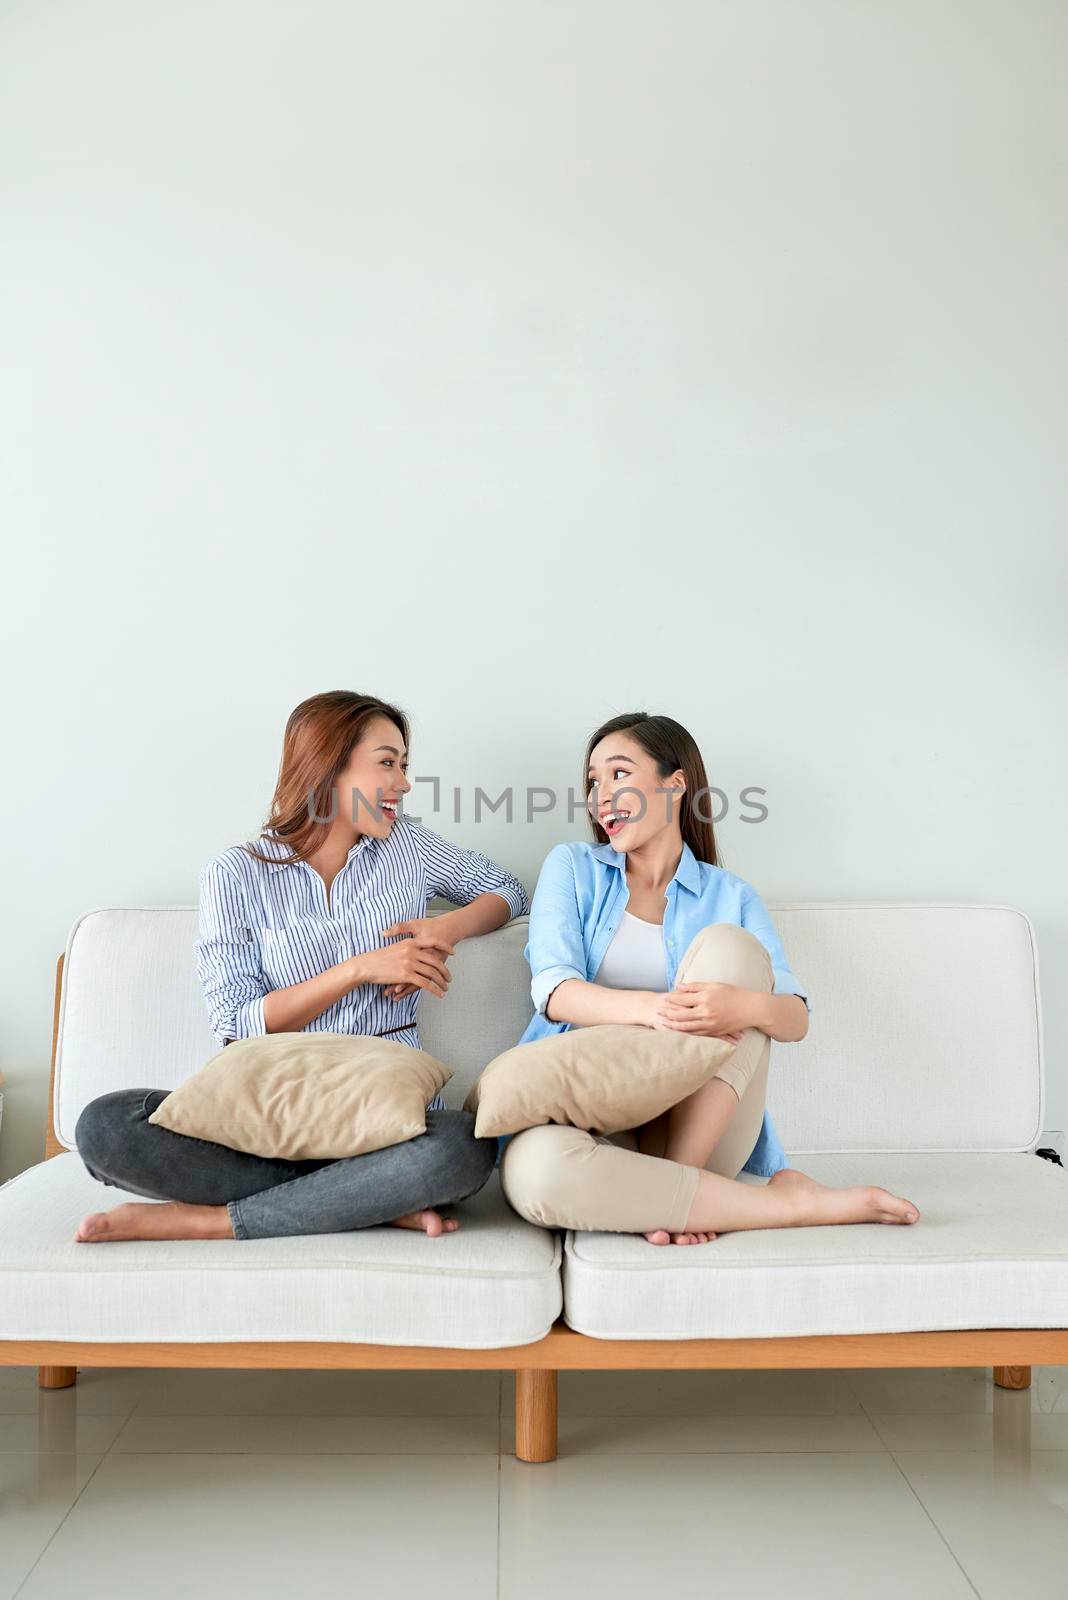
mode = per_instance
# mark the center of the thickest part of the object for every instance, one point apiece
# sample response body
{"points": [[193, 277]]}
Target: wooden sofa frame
{"points": [[1010, 1351]]}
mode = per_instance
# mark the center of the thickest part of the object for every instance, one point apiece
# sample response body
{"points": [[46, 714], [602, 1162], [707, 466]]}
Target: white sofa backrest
{"points": [[925, 1031]]}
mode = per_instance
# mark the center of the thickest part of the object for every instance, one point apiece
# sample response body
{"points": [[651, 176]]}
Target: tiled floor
{"points": [[860, 1485]]}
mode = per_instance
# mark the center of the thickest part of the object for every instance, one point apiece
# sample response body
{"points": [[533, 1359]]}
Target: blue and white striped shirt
{"points": [[264, 926]]}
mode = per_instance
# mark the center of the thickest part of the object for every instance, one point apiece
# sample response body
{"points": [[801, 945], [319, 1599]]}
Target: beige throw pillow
{"points": [[307, 1095], [603, 1078]]}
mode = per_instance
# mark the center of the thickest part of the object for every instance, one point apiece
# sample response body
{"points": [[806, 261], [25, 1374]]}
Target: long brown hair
{"points": [[671, 747], [318, 741]]}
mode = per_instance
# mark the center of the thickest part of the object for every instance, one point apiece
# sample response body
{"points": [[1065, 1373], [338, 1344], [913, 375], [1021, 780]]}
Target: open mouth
{"points": [[612, 821], [389, 808]]}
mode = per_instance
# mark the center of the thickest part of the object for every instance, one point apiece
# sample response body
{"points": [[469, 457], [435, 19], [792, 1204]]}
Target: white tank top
{"points": [[635, 958]]}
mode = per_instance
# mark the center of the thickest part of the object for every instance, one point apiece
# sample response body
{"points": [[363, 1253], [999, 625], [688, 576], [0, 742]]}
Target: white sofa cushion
{"points": [[990, 1251], [495, 1281]]}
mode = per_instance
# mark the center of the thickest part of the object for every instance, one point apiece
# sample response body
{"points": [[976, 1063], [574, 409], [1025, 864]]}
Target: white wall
{"points": [[526, 363]]}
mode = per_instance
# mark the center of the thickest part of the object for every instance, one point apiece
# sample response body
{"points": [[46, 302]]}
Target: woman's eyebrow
{"points": [[390, 747], [611, 758]]}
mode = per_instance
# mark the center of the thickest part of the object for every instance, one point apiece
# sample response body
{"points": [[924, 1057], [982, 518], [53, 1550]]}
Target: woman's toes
{"points": [[899, 1209], [661, 1236], [428, 1221], [882, 1206], [94, 1226]]}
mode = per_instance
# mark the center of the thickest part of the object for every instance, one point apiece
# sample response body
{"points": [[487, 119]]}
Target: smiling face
{"points": [[374, 781], [625, 792]]}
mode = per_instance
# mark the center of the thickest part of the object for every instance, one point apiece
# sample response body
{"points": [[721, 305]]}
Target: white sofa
{"points": [[922, 1071]]}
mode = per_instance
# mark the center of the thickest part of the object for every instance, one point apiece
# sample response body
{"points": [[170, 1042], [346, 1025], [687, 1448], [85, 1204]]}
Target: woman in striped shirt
{"points": [[321, 926]]}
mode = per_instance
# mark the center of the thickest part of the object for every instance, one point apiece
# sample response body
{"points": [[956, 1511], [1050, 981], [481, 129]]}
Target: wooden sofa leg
{"points": [[1012, 1377], [535, 1414], [56, 1377]]}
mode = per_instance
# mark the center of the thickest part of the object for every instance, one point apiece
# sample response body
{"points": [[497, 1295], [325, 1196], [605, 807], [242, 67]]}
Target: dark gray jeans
{"points": [[267, 1196]]}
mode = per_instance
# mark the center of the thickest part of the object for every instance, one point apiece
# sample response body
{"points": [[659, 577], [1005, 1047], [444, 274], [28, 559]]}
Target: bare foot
{"points": [[869, 1203], [662, 1236], [155, 1219], [429, 1222], [818, 1203], [865, 1203]]}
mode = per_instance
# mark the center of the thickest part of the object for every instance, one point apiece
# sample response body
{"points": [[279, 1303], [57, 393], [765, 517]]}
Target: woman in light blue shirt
{"points": [[611, 925], [321, 926]]}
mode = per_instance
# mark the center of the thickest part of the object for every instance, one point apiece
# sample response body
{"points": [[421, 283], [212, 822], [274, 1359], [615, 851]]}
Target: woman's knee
{"points": [[725, 952], [539, 1171], [103, 1124], [465, 1159]]}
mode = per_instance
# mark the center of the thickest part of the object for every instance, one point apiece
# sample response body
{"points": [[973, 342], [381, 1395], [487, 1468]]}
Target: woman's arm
{"points": [[291, 1009], [716, 1008], [725, 1010], [472, 882], [556, 953], [576, 1000], [782, 1016], [486, 912], [228, 959], [229, 965], [486, 897], [441, 932]]}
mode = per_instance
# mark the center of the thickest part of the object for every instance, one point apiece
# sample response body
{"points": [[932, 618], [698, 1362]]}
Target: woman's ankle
{"points": [[779, 1205]]}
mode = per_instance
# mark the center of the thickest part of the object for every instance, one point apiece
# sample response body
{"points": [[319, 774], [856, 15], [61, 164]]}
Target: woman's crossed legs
{"points": [[564, 1177], [214, 1192]]}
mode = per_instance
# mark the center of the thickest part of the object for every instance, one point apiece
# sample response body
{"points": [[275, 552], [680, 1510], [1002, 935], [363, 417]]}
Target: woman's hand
{"points": [[417, 961], [711, 1010]]}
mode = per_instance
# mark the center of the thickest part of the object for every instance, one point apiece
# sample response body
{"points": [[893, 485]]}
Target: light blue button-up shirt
{"points": [[580, 898]]}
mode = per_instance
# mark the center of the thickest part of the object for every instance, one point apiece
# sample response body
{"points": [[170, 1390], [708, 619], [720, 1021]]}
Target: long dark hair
{"points": [[318, 741], [671, 747]]}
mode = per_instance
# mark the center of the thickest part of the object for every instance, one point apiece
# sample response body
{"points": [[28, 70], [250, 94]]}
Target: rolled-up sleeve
{"points": [[461, 875], [555, 948], [228, 958], [757, 918]]}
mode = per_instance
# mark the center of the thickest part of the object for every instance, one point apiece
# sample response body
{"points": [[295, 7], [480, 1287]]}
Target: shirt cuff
{"points": [[247, 1022], [546, 981], [515, 895], [786, 983]]}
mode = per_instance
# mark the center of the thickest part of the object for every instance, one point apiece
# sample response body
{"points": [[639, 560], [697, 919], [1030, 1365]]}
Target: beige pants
{"points": [[564, 1177]]}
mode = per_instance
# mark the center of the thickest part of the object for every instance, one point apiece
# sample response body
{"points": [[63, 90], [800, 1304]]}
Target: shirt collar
{"points": [[273, 845], [688, 871]]}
